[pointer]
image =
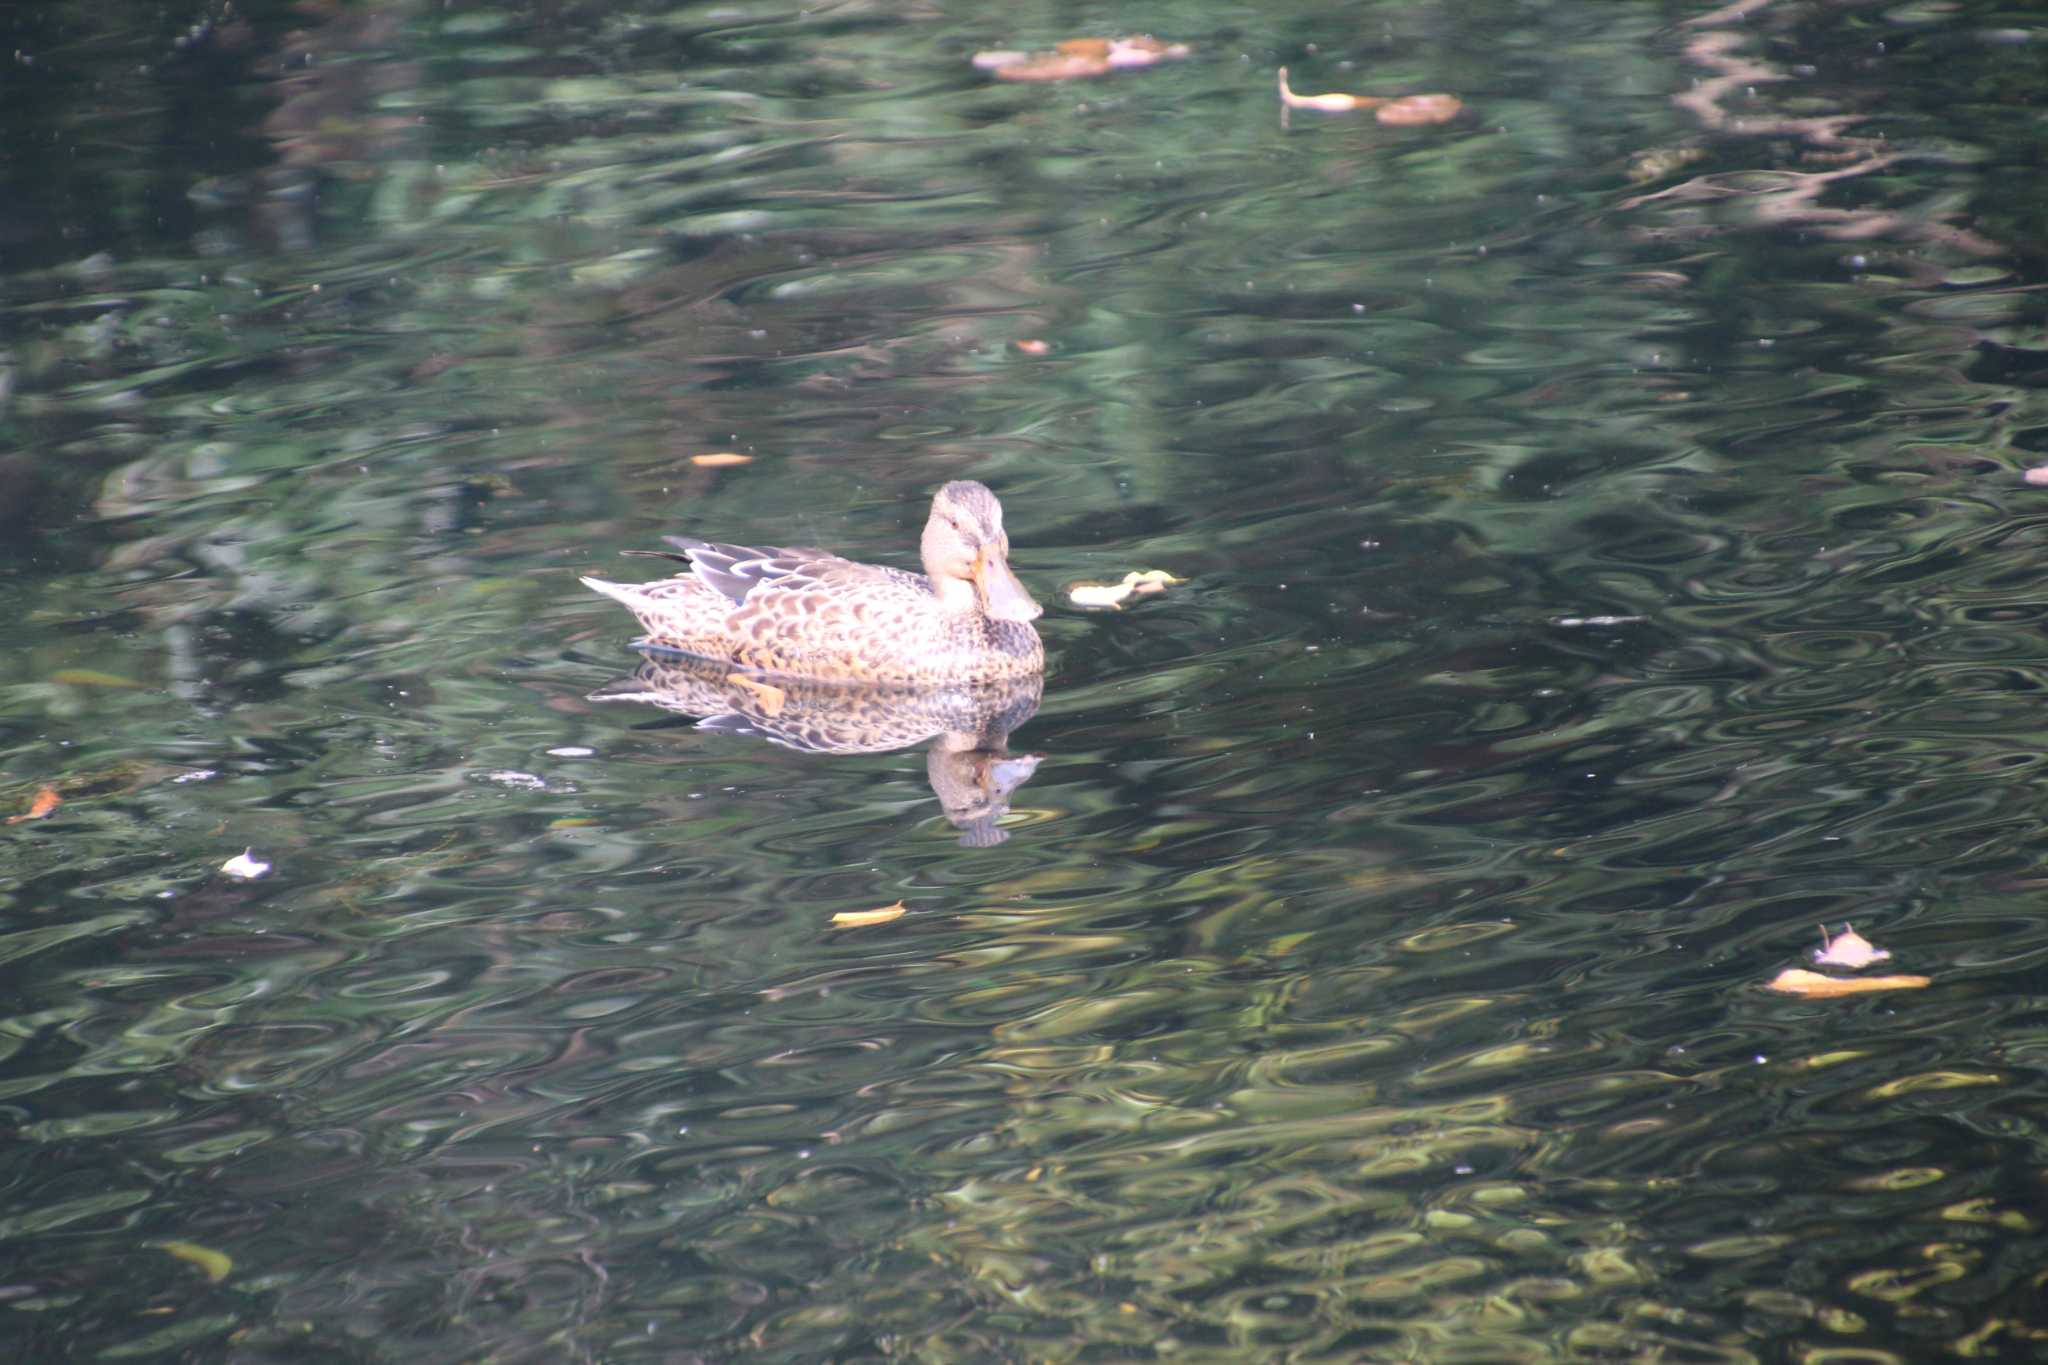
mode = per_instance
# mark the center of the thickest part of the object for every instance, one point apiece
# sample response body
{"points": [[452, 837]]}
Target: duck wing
{"points": [[733, 571]]}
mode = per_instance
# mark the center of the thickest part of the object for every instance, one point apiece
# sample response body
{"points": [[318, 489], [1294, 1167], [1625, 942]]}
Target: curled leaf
{"points": [[1098, 595], [1329, 104], [1813, 985], [1415, 111], [1847, 949], [216, 1264], [856, 919], [1406, 111], [720, 459], [46, 801], [245, 866], [1079, 58], [1110, 594]]}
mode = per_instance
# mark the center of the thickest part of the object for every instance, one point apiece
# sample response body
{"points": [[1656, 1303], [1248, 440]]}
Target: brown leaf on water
{"points": [[858, 919], [1847, 949], [1080, 58], [1814, 986], [46, 801], [720, 459], [1406, 111], [1417, 111]]}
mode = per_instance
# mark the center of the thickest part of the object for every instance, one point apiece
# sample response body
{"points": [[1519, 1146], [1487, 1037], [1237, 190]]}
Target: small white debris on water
{"points": [[571, 751], [508, 777], [245, 865]]}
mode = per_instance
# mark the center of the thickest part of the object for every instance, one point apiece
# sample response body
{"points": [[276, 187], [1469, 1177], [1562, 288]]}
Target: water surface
{"points": [[1607, 560]]}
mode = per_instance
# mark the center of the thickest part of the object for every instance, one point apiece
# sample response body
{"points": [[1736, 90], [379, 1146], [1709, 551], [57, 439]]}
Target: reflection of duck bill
{"points": [[974, 786]]}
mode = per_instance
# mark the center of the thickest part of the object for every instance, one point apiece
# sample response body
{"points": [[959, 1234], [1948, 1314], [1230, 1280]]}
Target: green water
{"points": [[1607, 559]]}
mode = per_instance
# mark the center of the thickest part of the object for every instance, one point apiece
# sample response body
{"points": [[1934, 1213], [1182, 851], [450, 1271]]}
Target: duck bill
{"points": [[1002, 596]]}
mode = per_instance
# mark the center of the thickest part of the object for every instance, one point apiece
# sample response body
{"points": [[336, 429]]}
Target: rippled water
{"points": [[1607, 561]]}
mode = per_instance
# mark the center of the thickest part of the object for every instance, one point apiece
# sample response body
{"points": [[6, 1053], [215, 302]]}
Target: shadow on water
{"points": [[1606, 560]]}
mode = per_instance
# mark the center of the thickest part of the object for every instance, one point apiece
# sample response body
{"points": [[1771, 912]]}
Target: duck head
{"points": [[967, 555]]}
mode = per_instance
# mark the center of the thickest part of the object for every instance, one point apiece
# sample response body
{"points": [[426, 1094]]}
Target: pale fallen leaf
{"points": [[1405, 111], [245, 866], [1110, 594], [1330, 104], [857, 919], [2037, 476], [720, 459], [1847, 949], [1151, 580], [1798, 981], [1033, 346], [768, 695], [1098, 594], [1415, 111], [216, 1264], [1079, 58], [46, 801], [91, 677]]}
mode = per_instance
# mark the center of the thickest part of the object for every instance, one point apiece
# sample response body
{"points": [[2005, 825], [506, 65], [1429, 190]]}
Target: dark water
{"points": [[1607, 558]]}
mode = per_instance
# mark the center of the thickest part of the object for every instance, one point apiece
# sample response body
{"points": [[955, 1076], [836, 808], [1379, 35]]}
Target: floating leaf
{"points": [[1416, 111], [720, 459], [46, 801], [856, 919], [1110, 594], [216, 1264], [1098, 594], [1405, 111], [2037, 476], [1847, 949], [1033, 346], [1079, 58], [1798, 981], [1330, 104], [91, 677], [245, 866]]}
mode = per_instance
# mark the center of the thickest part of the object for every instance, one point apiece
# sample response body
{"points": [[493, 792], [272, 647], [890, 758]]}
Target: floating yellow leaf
{"points": [[91, 677], [1109, 594], [1847, 949], [1797, 981], [1329, 104], [216, 1264], [720, 459], [46, 801], [857, 919], [1098, 594]]}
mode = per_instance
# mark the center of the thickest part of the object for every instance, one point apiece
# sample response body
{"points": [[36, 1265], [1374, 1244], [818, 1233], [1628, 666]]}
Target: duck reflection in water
{"points": [[969, 765]]}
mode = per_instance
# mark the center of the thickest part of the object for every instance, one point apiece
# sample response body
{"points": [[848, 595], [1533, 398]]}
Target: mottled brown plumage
{"points": [[807, 613]]}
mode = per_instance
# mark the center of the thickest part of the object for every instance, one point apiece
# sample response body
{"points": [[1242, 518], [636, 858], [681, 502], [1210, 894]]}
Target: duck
{"points": [[809, 613]]}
